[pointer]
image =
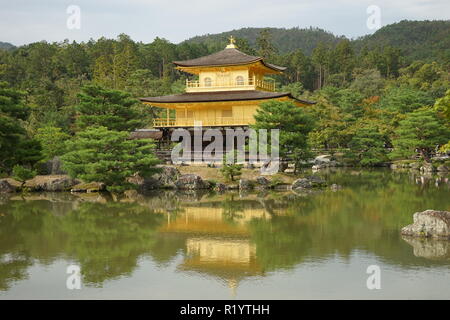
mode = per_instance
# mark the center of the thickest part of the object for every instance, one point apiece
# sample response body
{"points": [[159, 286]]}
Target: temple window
{"points": [[208, 82], [240, 80]]}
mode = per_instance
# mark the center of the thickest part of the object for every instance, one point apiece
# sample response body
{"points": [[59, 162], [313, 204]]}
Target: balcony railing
{"points": [[209, 122], [250, 84]]}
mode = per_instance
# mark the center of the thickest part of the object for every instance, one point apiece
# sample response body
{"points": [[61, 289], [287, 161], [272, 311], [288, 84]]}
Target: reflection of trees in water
{"points": [[107, 239], [366, 216], [13, 267], [232, 209]]}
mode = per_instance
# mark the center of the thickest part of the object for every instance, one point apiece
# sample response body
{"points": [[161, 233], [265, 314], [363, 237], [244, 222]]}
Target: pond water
{"points": [[277, 245]]}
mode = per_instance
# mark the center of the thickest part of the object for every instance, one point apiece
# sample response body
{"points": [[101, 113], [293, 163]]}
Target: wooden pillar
{"points": [[167, 114]]}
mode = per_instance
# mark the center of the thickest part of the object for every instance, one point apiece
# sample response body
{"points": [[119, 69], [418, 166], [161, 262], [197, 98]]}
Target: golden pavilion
{"points": [[230, 86]]}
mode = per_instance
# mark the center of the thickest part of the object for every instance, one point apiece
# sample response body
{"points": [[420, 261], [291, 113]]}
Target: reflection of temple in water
{"points": [[218, 241]]}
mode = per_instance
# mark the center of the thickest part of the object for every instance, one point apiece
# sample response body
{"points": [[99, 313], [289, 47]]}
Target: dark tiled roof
{"points": [[221, 96], [230, 56]]}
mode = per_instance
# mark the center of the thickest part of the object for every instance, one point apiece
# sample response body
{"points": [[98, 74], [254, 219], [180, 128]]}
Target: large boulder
{"points": [[301, 183], [322, 159], [89, 187], [335, 187], [429, 224], [51, 183], [261, 180], [220, 187], [53, 167], [166, 178], [6, 187], [59, 184], [308, 183], [191, 182], [427, 167], [245, 184], [168, 175]]}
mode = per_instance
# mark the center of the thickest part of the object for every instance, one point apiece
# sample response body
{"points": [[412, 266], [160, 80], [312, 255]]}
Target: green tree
{"points": [[112, 109], [442, 106], [52, 140], [421, 130], [23, 174], [230, 169], [294, 125], [102, 155], [404, 99], [368, 82], [367, 147], [321, 58], [330, 125], [344, 57], [294, 88], [15, 146], [264, 43]]}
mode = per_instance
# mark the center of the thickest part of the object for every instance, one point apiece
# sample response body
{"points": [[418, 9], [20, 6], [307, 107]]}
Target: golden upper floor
{"points": [[228, 70]]}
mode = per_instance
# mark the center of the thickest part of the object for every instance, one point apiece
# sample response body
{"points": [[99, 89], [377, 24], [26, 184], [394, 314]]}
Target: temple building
{"points": [[230, 86]]}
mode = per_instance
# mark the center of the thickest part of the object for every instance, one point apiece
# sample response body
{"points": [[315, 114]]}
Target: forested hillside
{"points": [[370, 96], [285, 40], [428, 40], [6, 45]]}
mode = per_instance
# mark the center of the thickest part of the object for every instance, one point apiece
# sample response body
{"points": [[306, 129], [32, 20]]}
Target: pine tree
{"points": [[112, 109], [294, 125], [421, 130], [52, 140], [15, 146], [367, 146], [108, 156], [264, 43]]}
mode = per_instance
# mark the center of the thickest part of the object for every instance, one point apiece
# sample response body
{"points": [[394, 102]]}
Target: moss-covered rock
{"points": [[89, 187]]}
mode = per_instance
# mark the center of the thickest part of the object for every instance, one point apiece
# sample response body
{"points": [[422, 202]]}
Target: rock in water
{"points": [[427, 167], [166, 178], [322, 159], [245, 184], [191, 182], [301, 183], [263, 181], [6, 187], [308, 183], [335, 187], [220, 187], [429, 224], [59, 184], [89, 187]]}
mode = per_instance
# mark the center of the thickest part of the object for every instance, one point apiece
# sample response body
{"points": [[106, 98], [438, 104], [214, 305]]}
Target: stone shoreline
{"points": [[169, 178]]}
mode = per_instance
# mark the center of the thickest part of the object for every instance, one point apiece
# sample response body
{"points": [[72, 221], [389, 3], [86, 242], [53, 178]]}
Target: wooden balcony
{"points": [[250, 84], [208, 122]]}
